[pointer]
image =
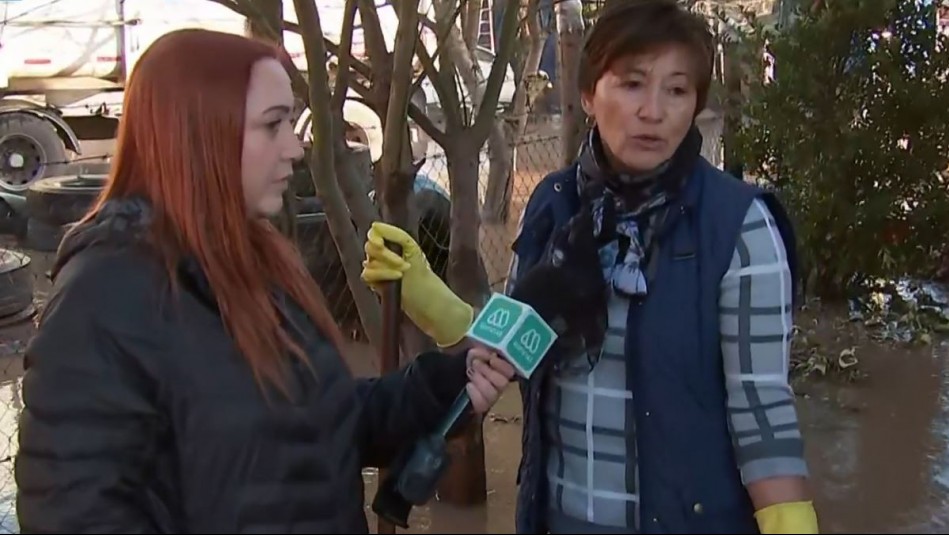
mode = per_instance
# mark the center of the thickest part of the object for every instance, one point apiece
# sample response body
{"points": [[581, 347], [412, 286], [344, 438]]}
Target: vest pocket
{"points": [[720, 513]]}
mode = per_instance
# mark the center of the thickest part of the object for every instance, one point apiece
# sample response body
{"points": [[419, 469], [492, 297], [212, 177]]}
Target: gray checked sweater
{"points": [[593, 478]]}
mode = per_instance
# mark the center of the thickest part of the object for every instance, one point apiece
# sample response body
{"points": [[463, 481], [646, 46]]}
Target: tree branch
{"points": [[492, 92], [427, 125], [363, 69], [372, 33], [345, 58], [352, 179], [447, 95], [248, 9], [406, 37], [323, 170]]}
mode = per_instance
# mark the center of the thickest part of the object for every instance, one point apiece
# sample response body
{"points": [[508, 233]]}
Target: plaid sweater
{"points": [[592, 477]]}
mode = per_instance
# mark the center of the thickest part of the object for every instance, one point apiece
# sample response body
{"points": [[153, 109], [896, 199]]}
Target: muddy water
{"points": [[878, 449]]}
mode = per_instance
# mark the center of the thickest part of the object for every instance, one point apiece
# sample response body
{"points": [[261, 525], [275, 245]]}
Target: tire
{"points": [[434, 229], [42, 236], [10, 222], [322, 260], [30, 150], [316, 245], [16, 283], [63, 199]]}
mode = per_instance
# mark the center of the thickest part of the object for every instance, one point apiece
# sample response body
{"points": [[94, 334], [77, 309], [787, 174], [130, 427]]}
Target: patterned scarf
{"points": [[620, 203]]}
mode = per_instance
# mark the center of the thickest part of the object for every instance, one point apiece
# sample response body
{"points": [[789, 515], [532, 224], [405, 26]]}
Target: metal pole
{"points": [[389, 351]]}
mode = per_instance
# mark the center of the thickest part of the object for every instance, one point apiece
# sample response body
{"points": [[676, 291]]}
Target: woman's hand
{"points": [[488, 375], [426, 299]]}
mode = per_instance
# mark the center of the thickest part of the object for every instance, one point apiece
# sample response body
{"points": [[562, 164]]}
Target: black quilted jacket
{"points": [[140, 416]]}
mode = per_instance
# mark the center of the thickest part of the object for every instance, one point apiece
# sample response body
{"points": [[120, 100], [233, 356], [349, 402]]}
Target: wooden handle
{"points": [[389, 350]]}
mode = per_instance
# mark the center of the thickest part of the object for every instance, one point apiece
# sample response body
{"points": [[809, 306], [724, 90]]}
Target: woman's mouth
{"points": [[648, 142]]}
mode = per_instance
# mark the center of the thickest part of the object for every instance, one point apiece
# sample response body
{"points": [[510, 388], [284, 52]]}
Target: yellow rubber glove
{"points": [[426, 299], [791, 517]]}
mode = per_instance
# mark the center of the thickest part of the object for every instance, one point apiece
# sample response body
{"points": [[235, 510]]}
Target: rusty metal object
{"points": [[465, 483], [389, 349]]}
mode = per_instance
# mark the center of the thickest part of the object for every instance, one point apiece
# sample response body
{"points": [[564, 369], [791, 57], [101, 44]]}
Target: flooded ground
{"points": [[878, 448]]}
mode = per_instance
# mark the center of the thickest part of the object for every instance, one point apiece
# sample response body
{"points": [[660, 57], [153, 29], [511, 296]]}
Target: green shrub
{"points": [[853, 132]]}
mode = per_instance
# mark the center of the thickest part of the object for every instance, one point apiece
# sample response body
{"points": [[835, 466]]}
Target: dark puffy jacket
{"points": [[141, 417]]}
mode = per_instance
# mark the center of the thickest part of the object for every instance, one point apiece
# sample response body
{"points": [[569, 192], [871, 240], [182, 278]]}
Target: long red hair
{"points": [[179, 146]]}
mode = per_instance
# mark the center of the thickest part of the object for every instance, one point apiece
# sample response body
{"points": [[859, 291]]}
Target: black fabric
{"points": [[595, 174], [141, 417]]}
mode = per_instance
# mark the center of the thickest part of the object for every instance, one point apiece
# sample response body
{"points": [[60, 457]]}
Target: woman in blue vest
{"points": [[678, 416]]}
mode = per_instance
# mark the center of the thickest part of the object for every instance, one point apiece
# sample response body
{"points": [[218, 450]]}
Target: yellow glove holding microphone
{"points": [[426, 299], [790, 517]]}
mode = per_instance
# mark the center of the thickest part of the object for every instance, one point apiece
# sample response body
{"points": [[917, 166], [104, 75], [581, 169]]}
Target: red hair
{"points": [[179, 145]]}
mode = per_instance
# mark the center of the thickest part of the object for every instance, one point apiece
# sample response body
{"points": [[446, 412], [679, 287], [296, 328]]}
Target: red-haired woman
{"points": [[186, 376]]}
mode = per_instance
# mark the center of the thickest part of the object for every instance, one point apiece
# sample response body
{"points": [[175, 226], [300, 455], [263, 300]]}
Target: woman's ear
{"points": [[586, 102]]}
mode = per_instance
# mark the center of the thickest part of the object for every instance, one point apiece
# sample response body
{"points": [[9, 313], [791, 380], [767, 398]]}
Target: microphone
{"points": [[569, 294]]}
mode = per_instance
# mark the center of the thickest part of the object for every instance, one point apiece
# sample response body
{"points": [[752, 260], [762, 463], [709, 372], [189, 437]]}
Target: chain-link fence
{"points": [[535, 155]]}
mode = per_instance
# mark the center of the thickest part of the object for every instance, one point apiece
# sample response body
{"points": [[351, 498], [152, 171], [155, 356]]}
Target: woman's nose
{"points": [[295, 150], [651, 107]]}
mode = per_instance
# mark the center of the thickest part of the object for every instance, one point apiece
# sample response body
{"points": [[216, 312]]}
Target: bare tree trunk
{"points": [[456, 49], [502, 148], [350, 165], [466, 480], [500, 151], [570, 30], [398, 174], [468, 125], [466, 273], [272, 17], [323, 170], [503, 153]]}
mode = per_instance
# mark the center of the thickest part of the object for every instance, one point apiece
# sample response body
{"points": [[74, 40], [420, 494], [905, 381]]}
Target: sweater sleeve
{"points": [[756, 324]]}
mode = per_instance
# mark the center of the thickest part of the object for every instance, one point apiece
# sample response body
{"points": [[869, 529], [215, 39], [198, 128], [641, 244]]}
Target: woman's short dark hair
{"points": [[629, 27]]}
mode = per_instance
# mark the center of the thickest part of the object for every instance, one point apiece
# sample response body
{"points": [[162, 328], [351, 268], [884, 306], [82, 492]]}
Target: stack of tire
{"points": [[56, 202], [16, 287], [323, 261], [52, 204]]}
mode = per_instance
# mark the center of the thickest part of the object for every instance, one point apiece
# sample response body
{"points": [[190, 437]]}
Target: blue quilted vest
{"points": [[689, 480]]}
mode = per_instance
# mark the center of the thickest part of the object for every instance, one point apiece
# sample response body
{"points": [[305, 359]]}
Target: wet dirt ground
{"points": [[878, 448], [878, 452]]}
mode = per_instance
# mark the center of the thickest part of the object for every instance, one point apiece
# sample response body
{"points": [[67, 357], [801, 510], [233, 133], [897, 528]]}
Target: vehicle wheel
{"points": [[16, 283], [63, 199], [30, 149], [302, 180], [42, 236], [316, 245], [434, 229]]}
